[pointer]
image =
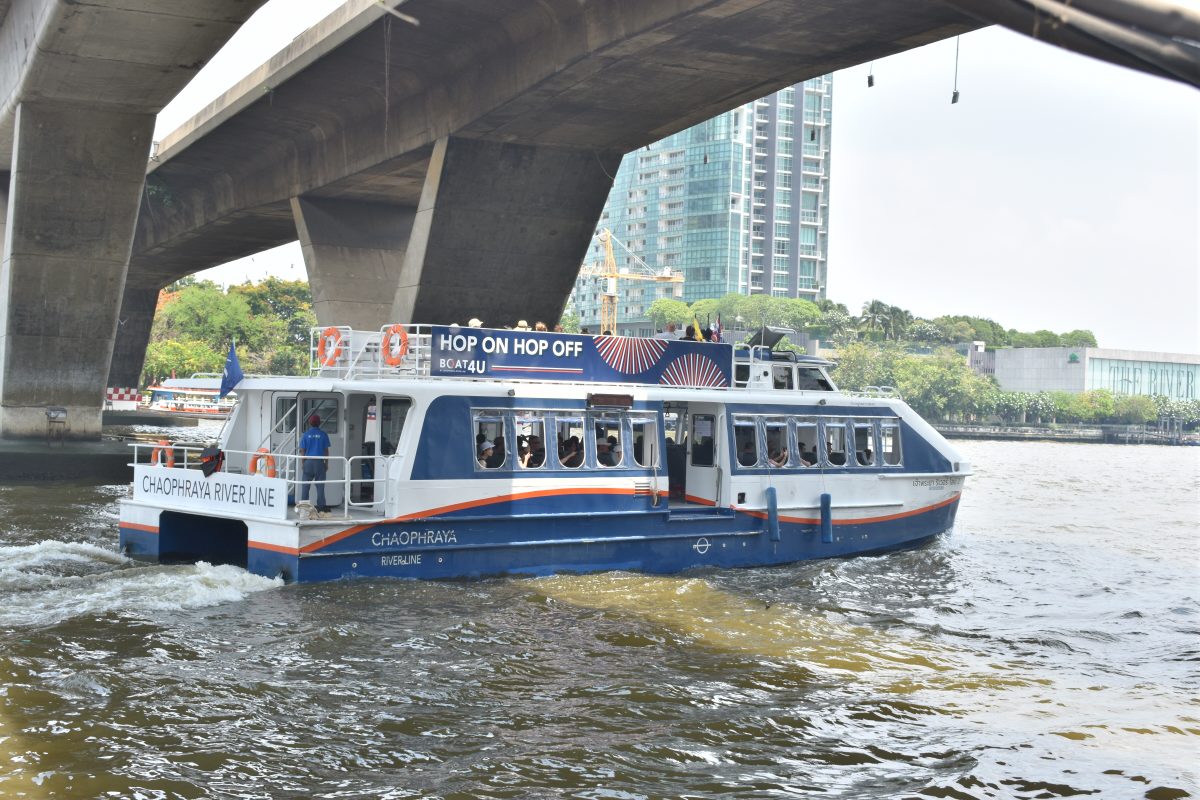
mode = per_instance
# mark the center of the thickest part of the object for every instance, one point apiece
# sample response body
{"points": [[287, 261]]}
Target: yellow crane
{"points": [[611, 274]]}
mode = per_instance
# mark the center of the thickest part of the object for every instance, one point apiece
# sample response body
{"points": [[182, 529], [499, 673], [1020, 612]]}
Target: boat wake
{"points": [[53, 581]]}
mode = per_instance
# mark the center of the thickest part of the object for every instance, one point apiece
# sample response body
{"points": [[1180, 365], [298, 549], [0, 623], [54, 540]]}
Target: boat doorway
{"points": [[691, 434], [327, 406], [362, 445]]}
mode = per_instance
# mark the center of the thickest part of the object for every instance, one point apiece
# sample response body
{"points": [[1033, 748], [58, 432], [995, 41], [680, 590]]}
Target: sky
{"points": [[1060, 192]]}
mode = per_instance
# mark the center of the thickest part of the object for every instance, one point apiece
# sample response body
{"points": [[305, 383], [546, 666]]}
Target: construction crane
{"points": [[611, 274]]}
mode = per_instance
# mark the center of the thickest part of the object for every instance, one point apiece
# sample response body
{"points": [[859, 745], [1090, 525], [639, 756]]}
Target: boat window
{"points": [[890, 435], [782, 375], [645, 441], [531, 442], [607, 440], [570, 441], [703, 450], [741, 374], [489, 430], [745, 440], [810, 379], [324, 407], [835, 443], [673, 428], [285, 415], [779, 454], [864, 443], [806, 440], [391, 423]]}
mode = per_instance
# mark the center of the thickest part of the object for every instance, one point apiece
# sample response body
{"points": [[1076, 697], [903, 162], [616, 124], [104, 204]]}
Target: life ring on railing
{"points": [[163, 453], [263, 455], [335, 351], [393, 360]]}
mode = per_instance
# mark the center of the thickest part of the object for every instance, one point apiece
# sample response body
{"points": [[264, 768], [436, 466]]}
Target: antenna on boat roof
{"points": [[954, 95]]}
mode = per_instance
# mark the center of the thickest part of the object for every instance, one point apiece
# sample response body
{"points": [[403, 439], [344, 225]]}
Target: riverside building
{"points": [[739, 203], [1081, 369]]}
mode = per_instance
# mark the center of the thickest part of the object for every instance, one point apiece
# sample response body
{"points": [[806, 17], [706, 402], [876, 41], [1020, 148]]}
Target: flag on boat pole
{"points": [[232, 375]]}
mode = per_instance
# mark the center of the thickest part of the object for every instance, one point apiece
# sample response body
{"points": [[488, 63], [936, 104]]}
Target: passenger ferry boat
{"points": [[198, 395], [606, 453]]}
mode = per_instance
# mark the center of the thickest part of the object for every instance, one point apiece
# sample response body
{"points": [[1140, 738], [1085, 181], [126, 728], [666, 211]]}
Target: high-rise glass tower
{"points": [[739, 203]]}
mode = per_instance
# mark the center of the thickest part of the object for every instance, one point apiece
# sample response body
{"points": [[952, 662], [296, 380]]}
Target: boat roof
{"points": [[479, 360]]}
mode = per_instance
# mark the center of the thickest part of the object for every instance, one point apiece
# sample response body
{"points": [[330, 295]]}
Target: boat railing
{"points": [[408, 350], [288, 467], [392, 351]]}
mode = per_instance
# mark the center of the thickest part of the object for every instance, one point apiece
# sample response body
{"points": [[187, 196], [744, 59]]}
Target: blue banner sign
{"points": [[483, 352]]}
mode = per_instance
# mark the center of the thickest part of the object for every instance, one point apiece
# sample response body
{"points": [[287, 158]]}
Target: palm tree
{"points": [[898, 320], [874, 316], [825, 305]]}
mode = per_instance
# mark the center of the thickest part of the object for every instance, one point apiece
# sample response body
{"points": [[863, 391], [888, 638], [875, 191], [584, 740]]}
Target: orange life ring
{"points": [[329, 333], [264, 455], [386, 346], [163, 453]]}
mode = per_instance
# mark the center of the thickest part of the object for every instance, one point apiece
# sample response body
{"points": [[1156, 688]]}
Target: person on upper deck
{"points": [[314, 445], [669, 332]]}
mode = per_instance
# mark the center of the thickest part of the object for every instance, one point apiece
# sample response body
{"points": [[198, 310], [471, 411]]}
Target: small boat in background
{"points": [[194, 396]]}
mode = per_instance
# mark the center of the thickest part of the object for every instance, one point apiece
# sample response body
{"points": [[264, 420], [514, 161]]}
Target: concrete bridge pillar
{"points": [[4, 180], [133, 335], [77, 177], [501, 231], [353, 251]]}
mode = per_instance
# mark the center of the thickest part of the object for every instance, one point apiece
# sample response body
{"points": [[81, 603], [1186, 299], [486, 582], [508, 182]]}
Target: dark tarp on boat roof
{"points": [[768, 336]]}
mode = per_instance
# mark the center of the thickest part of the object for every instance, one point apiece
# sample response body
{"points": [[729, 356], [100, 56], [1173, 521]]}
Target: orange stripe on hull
{"points": [[134, 526], [274, 548]]}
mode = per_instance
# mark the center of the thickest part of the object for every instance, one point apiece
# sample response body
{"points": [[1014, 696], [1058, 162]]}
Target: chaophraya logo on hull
{"points": [[475, 352]]}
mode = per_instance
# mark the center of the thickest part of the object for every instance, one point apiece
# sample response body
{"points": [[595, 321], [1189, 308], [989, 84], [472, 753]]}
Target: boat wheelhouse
{"points": [[464, 452]]}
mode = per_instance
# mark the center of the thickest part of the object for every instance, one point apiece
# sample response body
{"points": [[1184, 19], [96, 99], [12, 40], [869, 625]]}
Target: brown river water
{"points": [[1049, 647]]}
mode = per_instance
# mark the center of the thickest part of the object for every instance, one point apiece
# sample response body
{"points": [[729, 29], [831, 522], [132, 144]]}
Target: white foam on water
{"points": [[42, 564], [34, 594]]}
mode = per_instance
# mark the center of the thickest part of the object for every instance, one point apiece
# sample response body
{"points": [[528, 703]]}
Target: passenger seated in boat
{"points": [[604, 456], [537, 452], [522, 452], [486, 453], [866, 457], [498, 454], [748, 457], [572, 453], [778, 458]]}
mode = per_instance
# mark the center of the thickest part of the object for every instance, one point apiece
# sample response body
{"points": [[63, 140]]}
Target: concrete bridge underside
{"points": [[80, 85], [458, 168]]}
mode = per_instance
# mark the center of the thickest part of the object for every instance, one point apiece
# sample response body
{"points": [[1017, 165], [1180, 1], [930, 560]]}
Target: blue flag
{"points": [[232, 375]]}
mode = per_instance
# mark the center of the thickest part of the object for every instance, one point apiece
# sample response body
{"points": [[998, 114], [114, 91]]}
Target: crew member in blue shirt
{"points": [[314, 444]]}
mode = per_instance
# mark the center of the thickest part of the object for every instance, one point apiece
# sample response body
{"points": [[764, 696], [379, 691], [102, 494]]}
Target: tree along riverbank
{"points": [[1108, 434]]}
